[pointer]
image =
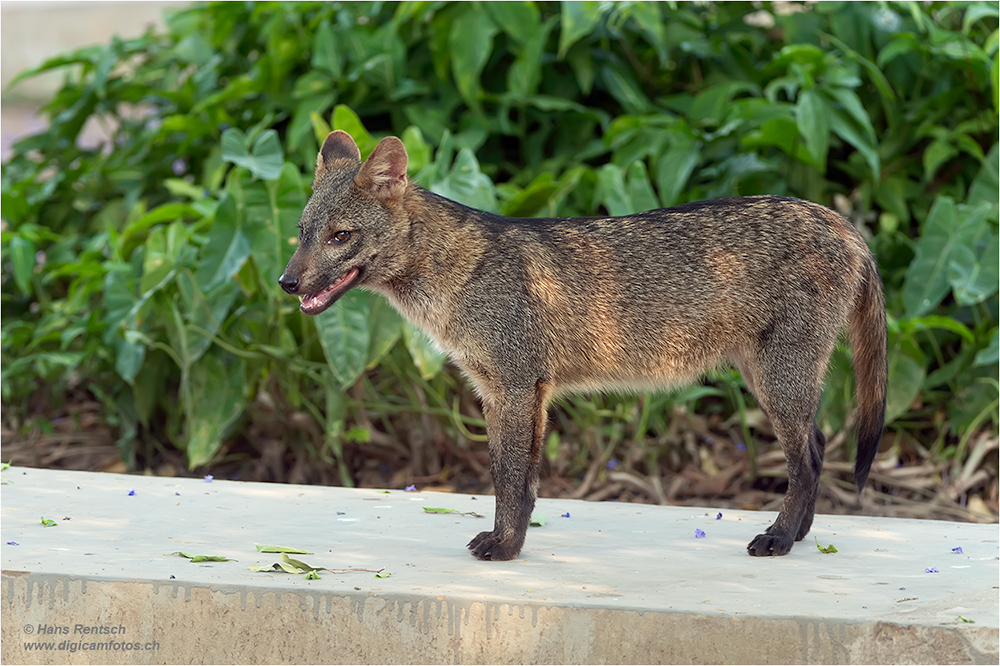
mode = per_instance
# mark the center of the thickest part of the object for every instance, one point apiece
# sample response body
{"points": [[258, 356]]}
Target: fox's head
{"points": [[350, 225]]}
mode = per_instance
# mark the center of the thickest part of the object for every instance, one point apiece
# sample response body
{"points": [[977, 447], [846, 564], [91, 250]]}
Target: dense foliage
{"points": [[143, 271]]}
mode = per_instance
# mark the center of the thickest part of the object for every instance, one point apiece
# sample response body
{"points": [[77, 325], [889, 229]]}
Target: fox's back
{"points": [[656, 298]]}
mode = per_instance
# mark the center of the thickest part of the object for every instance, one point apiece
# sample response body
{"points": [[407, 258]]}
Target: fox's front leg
{"points": [[515, 425]]}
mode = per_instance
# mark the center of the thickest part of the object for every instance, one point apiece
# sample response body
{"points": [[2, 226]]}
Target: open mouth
{"points": [[313, 304]]}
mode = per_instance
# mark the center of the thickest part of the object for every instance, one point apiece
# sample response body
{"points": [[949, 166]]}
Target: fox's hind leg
{"points": [[817, 447], [786, 377]]}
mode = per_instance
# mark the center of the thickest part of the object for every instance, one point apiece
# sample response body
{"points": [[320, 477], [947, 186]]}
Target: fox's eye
{"points": [[341, 236]]}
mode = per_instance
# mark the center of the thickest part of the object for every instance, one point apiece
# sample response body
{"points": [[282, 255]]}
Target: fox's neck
{"points": [[444, 243]]}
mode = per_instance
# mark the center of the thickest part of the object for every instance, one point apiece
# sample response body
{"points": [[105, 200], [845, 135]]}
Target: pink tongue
{"points": [[313, 301]]}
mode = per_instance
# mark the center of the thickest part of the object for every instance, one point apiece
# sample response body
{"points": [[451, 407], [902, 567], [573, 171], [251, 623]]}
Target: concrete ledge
{"points": [[612, 583]]}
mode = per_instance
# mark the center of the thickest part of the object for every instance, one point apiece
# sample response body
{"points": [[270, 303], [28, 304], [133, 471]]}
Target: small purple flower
{"points": [[340, 513], [410, 488], [612, 463], [209, 478], [176, 493], [566, 515], [718, 516], [957, 550], [698, 534], [931, 570], [741, 446], [13, 543], [131, 492]]}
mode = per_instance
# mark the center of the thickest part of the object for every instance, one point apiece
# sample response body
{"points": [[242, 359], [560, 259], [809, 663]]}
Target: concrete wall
{"points": [[32, 32]]}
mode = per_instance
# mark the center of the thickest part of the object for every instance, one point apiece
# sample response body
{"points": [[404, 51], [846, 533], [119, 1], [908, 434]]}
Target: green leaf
{"points": [[829, 549], [203, 558], [639, 189], [22, 258], [577, 20], [216, 390], [471, 43], [264, 160], [552, 443], [417, 149], [855, 109], [947, 228], [935, 155], [533, 198], [426, 355], [204, 313], [611, 191], [438, 509], [974, 278], [675, 167], [129, 357], [847, 131], [466, 184], [711, 105], [651, 22], [907, 369], [520, 20], [226, 249], [537, 520], [270, 223], [345, 335], [48, 523], [986, 186], [977, 11], [326, 56], [991, 354], [386, 330], [344, 118], [298, 564], [623, 88], [165, 251], [928, 322], [812, 116]]}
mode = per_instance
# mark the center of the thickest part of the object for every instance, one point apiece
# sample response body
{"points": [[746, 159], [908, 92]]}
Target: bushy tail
{"points": [[867, 334]]}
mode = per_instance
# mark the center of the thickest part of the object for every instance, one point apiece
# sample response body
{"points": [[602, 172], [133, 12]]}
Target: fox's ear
{"points": [[383, 175], [338, 151]]}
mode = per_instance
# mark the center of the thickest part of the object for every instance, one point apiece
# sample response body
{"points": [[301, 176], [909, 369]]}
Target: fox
{"points": [[531, 309]]}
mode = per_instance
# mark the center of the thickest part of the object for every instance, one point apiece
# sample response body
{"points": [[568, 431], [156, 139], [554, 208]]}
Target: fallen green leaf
{"points": [[281, 549], [383, 575], [202, 558], [538, 520], [965, 619], [438, 509], [312, 575], [48, 523], [298, 563], [829, 549]]}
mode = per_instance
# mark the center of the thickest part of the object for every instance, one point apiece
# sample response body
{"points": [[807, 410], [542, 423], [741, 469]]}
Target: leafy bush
{"points": [[143, 270]]}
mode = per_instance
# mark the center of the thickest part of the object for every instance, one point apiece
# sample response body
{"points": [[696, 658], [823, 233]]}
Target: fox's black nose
{"points": [[289, 284]]}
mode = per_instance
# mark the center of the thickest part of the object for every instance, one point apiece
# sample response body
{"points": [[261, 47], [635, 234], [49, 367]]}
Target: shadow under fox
{"points": [[533, 308]]}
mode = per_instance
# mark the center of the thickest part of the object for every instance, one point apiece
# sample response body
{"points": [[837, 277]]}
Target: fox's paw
{"points": [[486, 546], [765, 545]]}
